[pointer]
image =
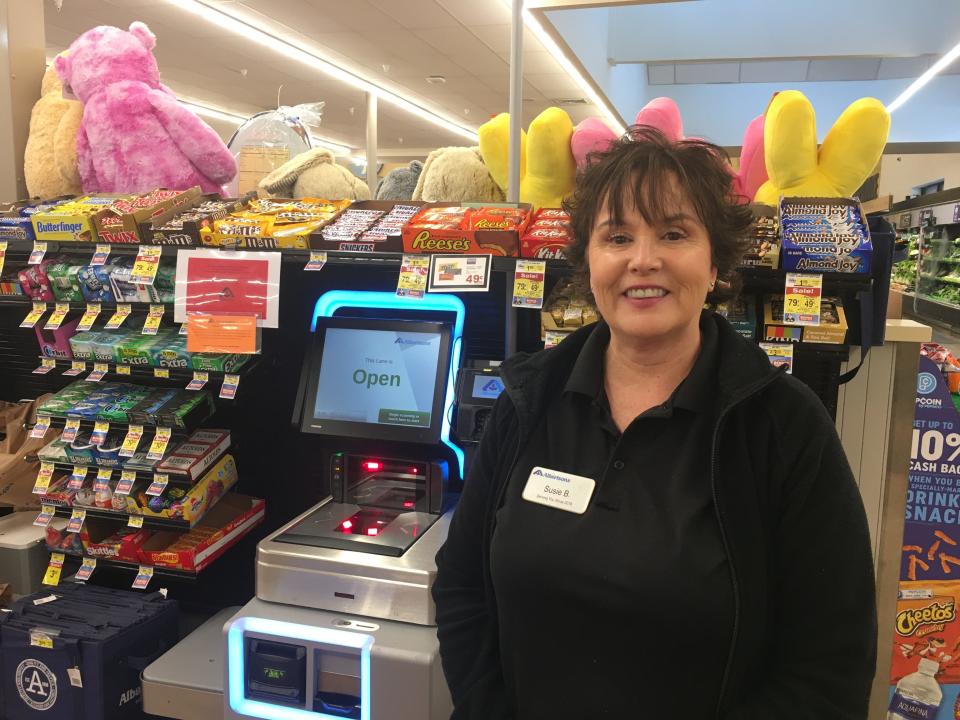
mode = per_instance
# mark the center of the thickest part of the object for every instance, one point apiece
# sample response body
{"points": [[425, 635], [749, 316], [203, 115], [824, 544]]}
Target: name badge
{"points": [[559, 490]]}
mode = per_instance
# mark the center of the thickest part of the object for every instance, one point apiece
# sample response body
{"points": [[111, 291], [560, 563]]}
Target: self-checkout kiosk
{"points": [[343, 622]]}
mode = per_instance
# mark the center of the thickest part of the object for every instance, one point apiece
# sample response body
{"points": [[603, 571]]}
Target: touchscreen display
{"points": [[382, 377], [487, 387]]}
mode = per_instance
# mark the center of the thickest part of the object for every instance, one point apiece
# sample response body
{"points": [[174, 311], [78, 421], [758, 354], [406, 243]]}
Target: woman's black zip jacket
{"points": [[793, 524]]}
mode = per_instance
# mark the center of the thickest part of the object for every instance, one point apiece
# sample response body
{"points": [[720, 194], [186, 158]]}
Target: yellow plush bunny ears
{"points": [[849, 153], [547, 168]]}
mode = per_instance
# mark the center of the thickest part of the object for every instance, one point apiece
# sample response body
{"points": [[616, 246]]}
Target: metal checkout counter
{"points": [[343, 622]]}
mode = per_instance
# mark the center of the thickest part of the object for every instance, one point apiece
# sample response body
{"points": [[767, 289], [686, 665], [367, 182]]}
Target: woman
{"points": [[658, 524]]}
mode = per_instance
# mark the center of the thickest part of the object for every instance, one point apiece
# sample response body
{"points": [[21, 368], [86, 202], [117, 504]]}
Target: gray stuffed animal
{"points": [[400, 182]]}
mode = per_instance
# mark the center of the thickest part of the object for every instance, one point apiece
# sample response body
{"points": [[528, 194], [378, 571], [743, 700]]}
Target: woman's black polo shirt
{"points": [[625, 610]]}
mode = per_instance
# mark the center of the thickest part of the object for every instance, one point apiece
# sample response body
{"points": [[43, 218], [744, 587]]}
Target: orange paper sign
{"points": [[222, 333]]}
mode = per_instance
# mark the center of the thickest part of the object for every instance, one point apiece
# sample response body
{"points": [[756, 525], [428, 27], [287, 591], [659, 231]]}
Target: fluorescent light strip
{"points": [[235, 119], [917, 84], [561, 57], [224, 19]]}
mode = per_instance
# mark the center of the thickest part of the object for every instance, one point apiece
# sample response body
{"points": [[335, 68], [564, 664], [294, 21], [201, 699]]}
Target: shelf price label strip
{"points": [[77, 477], [100, 430], [228, 391], [127, 479], [86, 569], [200, 379], [158, 485], [144, 575], [33, 317], [99, 370], [152, 323], [52, 576], [100, 255], [119, 315], [46, 515], [801, 299], [70, 430], [89, 317], [528, 281], [159, 445], [131, 441], [40, 429], [145, 266], [318, 258], [75, 523], [77, 367], [36, 255], [55, 320], [45, 366], [42, 484]]}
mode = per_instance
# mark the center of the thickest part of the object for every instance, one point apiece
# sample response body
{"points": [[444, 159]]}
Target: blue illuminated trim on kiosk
{"points": [[330, 302], [286, 631]]}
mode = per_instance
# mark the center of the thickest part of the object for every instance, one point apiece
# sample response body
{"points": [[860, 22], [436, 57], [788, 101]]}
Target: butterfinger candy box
{"points": [[72, 220], [483, 229]]}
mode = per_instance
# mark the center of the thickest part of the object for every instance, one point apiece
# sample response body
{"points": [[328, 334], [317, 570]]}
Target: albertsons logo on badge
{"points": [[926, 383], [36, 684]]}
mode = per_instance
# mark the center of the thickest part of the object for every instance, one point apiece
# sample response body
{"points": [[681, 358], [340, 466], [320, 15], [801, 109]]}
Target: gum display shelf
{"points": [[178, 376], [72, 561], [178, 480], [177, 433], [106, 307], [150, 523]]}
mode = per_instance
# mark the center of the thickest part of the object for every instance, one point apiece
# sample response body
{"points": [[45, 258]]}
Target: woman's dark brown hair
{"points": [[646, 169]]}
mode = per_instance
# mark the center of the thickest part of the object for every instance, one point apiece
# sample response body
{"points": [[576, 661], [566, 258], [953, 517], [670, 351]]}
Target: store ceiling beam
{"points": [[22, 64]]}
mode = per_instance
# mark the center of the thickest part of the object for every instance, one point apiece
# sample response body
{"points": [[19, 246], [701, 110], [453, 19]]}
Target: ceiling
{"points": [[397, 42], [722, 60], [719, 59]]}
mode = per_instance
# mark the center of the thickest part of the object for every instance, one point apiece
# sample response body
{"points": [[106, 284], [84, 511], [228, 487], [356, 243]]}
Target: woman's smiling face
{"points": [[650, 276]]}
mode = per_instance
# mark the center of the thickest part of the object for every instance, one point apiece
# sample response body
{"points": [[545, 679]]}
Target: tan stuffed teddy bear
{"points": [[315, 173], [456, 174], [50, 160]]}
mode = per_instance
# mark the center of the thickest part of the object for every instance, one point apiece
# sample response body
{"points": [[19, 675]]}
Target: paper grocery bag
{"points": [[18, 455]]}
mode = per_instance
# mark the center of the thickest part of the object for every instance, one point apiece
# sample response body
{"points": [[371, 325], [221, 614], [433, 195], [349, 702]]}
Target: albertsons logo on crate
{"points": [[36, 684]]}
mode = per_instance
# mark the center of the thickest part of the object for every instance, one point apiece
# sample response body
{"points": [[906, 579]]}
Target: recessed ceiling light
{"points": [[436, 79]]}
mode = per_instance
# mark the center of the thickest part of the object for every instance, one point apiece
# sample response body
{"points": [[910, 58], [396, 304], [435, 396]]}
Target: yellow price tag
{"points": [[36, 255], [801, 299], [70, 430], [33, 317], [528, 280], [123, 369], [52, 576], [120, 314], [42, 484], [161, 372], [152, 323], [3, 254], [89, 317], [76, 368], [99, 370], [159, 445], [41, 639], [132, 440], [145, 266], [414, 272], [55, 320], [318, 258], [100, 255], [135, 521], [46, 365]]}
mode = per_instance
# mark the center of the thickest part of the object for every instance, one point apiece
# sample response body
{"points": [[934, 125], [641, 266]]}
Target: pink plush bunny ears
{"points": [[662, 113]]}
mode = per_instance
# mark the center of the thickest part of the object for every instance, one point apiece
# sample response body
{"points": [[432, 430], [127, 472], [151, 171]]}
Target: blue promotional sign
{"points": [[931, 536]]}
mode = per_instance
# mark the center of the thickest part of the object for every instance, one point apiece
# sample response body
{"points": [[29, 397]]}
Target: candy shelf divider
{"points": [[149, 522]]}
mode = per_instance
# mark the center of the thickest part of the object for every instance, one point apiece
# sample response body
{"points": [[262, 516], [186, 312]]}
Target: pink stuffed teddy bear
{"points": [[135, 136], [662, 113]]}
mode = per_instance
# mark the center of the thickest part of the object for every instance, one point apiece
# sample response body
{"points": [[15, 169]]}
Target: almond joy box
{"points": [[925, 669]]}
